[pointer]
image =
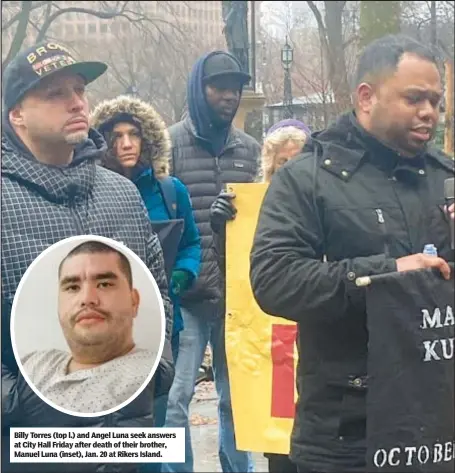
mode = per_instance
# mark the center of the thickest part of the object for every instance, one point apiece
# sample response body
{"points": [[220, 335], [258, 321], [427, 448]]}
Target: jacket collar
{"points": [[233, 139], [346, 145], [60, 184]]}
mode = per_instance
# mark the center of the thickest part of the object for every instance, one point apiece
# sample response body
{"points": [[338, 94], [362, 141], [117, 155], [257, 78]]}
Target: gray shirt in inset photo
{"points": [[88, 391]]}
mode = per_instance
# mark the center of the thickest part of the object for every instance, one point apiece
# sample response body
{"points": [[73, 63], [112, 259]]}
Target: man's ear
{"points": [[16, 116], [365, 97], [136, 299]]}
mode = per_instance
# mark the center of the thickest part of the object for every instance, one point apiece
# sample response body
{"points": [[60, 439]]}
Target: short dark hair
{"points": [[92, 247], [384, 54]]}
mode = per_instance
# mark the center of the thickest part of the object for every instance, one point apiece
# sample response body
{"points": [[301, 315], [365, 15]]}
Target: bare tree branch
{"points": [[11, 21], [46, 13], [21, 31], [104, 15], [320, 22]]}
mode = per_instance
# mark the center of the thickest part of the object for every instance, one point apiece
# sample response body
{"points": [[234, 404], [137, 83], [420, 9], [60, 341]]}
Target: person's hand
{"points": [[421, 261], [180, 281], [222, 210]]}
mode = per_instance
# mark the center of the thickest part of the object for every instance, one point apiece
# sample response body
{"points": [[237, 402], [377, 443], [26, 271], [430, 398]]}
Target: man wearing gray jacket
{"points": [[52, 189]]}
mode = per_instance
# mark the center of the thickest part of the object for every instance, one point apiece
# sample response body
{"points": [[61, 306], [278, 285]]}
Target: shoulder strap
{"points": [[172, 169], [169, 194]]}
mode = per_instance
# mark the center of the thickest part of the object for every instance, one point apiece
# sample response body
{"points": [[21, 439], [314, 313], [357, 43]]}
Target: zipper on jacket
{"points": [[230, 144], [219, 184], [412, 249], [383, 227]]}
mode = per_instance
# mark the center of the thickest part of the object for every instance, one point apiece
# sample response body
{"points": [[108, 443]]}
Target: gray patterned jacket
{"points": [[42, 205]]}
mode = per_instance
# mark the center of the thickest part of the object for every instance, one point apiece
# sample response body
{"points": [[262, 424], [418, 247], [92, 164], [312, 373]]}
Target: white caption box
{"points": [[97, 445]]}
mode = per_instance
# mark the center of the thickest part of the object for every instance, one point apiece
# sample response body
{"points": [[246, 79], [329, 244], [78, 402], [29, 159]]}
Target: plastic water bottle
{"points": [[430, 250]]}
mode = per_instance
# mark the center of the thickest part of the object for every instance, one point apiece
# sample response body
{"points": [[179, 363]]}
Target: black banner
{"points": [[410, 403]]}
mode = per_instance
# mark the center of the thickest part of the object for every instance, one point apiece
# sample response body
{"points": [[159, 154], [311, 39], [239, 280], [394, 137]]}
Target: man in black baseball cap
{"points": [[34, 64], [45, 107], [219, 64]]}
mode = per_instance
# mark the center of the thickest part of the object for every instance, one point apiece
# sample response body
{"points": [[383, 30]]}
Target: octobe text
{"points": [[437, 453]]}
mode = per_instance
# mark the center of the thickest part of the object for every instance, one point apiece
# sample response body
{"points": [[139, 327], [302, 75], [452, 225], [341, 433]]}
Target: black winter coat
{"points": [[205, 176], [350, 198]]}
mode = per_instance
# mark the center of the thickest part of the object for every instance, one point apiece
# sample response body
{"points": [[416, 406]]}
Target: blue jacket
{"points": [[154, 164], [189, 251]]}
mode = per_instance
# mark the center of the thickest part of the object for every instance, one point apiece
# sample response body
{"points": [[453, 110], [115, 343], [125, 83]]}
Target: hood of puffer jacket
{"points": [[156, 152]]}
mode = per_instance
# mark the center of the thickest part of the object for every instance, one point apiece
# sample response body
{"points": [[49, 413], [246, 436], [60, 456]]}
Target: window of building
{"points": [[103, 28], [81, 29], [114, 27], [92, 28], [277, 114]]}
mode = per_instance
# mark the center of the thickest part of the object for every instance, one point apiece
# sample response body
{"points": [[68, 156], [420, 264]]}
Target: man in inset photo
{"points": [[97, 305]]}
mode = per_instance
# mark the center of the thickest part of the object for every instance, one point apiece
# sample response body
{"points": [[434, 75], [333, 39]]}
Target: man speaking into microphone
{"points": [[364, 198]]}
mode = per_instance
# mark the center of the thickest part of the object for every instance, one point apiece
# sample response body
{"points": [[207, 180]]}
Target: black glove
{"points": [[222, 210]]}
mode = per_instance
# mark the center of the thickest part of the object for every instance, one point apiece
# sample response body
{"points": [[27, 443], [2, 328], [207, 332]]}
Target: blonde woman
{"points": [[283, 142]]}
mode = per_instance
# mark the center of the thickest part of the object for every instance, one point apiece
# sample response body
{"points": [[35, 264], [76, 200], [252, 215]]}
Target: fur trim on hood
{"points": [[156, 153]]}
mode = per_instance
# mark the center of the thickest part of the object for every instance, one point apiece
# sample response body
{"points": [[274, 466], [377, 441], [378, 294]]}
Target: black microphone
{"points": [[449, 186]]}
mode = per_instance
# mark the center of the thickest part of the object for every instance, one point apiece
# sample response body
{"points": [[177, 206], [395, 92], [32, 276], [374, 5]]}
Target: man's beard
{"points": [[76, 137], [220, 123]]}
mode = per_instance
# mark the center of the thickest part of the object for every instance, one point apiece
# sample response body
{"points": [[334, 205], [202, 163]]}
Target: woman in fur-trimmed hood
{"points": [[139, 149], [155, 140]]}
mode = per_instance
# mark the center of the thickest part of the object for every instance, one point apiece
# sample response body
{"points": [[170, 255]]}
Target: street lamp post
{"points": [[287, 57]]}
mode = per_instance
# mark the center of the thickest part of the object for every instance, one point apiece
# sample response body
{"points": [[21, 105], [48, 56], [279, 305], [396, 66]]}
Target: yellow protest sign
{"points": [[260, 349]]}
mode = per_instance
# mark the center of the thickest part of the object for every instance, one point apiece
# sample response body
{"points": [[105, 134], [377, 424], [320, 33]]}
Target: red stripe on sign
{"points": [[283, 374]]}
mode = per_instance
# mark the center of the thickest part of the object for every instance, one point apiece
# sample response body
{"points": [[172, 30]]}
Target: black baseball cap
{"points": [[221, 64], [42, 60]]}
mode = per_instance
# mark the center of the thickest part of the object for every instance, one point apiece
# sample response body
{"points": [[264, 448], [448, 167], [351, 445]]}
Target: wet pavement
{"points": [[204, 431]]}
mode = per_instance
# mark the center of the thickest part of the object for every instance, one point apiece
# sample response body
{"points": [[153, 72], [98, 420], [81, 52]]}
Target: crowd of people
{"points": [[360, 198]]}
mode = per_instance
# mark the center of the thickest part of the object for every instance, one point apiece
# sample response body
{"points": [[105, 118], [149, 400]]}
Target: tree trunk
{"points": [[433, 26], [331, 32], [336, 58], [378, 19], [20, 34]]}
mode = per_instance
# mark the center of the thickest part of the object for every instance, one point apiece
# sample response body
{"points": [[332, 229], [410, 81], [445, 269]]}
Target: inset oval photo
{"points": [[87, 326]]}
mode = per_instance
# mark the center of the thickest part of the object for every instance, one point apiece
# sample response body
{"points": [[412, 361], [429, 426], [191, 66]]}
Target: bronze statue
{"points": [[235, 16]]}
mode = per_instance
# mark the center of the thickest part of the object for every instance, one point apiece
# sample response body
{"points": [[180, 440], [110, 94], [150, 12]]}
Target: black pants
{"points": [[280, 464]]}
